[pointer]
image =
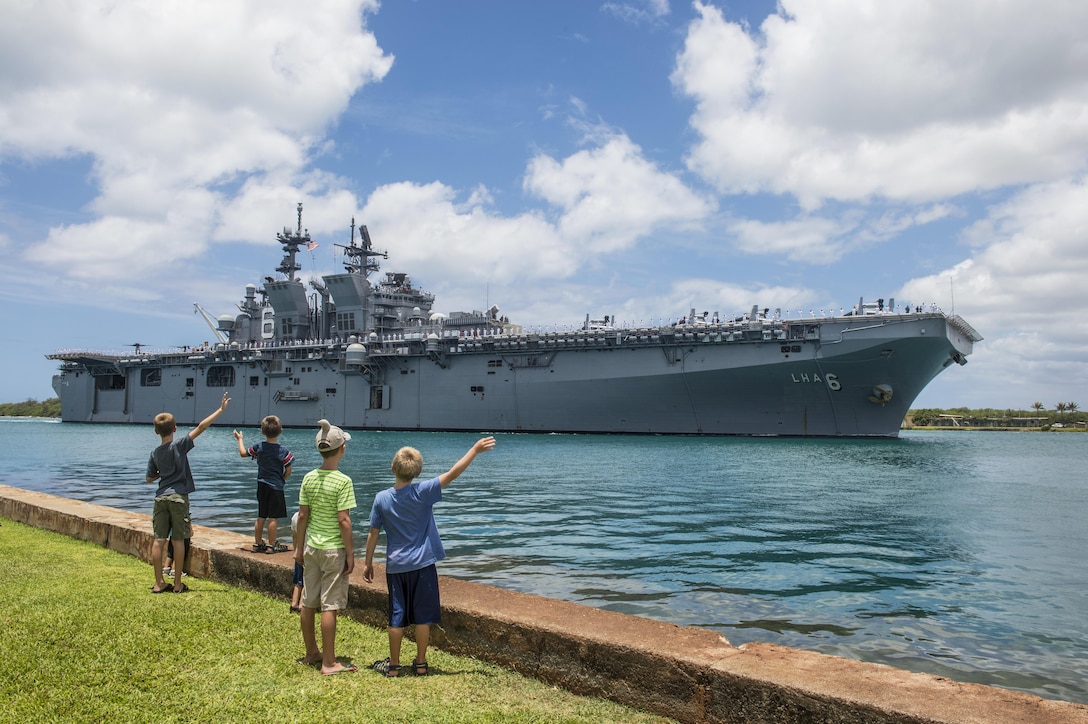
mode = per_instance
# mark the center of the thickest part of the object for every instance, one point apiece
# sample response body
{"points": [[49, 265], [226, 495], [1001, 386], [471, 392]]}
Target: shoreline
{"points": [[987, 428]]}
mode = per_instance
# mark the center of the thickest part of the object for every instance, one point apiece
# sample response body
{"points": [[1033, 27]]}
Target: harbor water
{"points": [[961, 554]]}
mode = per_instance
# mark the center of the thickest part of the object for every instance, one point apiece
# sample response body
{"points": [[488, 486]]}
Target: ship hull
{"points": [[848, 377]]}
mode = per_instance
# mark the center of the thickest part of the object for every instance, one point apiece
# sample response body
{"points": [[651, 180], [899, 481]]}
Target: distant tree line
{"points": [[1064, 414], [31, 408]]}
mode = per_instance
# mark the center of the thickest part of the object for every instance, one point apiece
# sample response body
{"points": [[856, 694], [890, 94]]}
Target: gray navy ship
{"points": [[374, 355]]}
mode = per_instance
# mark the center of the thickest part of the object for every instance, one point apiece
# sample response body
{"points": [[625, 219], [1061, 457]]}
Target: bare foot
{"points": [[310, 660], [340, 669]]}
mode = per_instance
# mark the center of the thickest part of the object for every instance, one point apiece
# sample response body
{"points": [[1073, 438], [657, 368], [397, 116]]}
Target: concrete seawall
{"points": [[690, 674]]}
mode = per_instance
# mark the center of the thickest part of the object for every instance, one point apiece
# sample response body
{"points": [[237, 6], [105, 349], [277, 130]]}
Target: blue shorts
{"points": [[413, 597], [296, 577]]}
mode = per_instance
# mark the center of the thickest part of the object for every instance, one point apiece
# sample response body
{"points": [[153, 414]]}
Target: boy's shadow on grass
{"points": [[469, 671]]}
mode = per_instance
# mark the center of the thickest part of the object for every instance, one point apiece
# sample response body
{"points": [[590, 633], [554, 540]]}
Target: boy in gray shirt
{"points": [[169, 464]]}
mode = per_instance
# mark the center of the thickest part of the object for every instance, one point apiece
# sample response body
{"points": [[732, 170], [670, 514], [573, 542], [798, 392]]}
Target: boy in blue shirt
{"points": [[273, 468], [413, 547]]}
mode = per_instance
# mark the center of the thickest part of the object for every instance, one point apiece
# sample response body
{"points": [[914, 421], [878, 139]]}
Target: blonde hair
{"points": [[271, 426], [407, 463], [164, 424]]}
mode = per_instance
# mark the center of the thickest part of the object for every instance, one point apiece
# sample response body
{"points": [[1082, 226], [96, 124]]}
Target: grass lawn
{"points": [[82, 639]]}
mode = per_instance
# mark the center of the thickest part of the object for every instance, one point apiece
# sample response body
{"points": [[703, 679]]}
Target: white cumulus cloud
{"points": [[176, 105], [911, 102]]}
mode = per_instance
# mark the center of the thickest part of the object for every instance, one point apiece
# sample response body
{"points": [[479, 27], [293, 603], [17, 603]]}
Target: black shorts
{"points": [[270, 502]]}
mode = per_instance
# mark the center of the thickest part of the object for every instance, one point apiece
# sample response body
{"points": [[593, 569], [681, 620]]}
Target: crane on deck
{"points": [[211, 323]]}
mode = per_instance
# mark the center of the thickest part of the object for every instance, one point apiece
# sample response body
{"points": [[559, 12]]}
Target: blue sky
{"points": [[556, 158]]}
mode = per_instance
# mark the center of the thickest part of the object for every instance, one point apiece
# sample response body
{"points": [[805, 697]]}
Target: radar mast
{"points": [[291, 242], [358, 258]]}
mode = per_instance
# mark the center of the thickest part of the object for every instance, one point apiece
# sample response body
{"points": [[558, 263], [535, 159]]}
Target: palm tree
{"points": [[1061, 407], [1037, 406]]}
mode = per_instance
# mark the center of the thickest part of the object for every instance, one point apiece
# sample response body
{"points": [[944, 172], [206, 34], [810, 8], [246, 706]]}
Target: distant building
{"points": [[951, 420]]}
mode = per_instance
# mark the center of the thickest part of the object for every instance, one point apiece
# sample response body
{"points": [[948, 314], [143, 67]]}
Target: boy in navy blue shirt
{"points": [[413, 547], [273, 468]]}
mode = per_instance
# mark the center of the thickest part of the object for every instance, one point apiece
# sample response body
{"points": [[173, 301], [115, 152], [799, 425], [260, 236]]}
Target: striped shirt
{"points": [[327, 492]]}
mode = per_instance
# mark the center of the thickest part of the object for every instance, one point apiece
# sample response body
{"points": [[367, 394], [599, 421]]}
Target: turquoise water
{"points": [[961, 554]]}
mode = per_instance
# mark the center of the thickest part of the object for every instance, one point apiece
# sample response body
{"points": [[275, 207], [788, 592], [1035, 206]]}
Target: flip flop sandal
{"points": [[420, 668]]}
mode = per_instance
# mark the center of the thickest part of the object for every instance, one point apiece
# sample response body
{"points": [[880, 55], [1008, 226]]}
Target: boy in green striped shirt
{"points": [[325, 501]]}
